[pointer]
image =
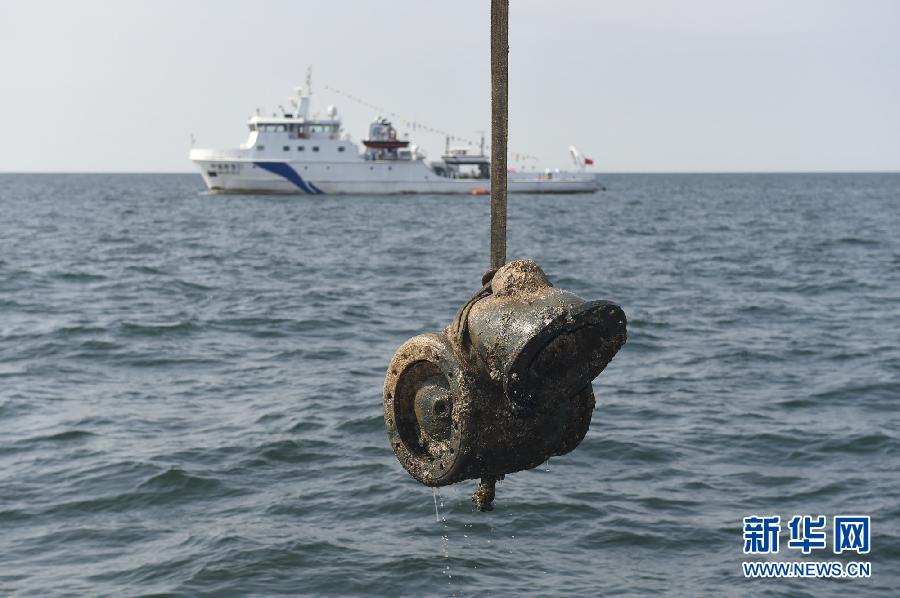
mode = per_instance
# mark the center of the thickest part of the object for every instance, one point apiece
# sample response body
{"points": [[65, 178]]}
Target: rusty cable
{"points": [[459, 328], [499, 123]]}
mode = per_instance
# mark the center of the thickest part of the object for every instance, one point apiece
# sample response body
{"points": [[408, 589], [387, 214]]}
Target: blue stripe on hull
{"points": [[283, 169]]}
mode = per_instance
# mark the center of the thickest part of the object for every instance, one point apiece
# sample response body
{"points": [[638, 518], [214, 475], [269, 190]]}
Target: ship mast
{"points": [[304, 94]]}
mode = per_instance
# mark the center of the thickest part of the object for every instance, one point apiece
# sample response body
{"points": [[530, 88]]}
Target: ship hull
{"points": [[367, 177]]}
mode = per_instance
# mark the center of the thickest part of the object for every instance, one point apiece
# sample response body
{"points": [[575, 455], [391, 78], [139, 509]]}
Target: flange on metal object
{"points": [[506, 386]]}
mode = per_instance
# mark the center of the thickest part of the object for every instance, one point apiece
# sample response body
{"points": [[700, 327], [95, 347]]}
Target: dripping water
{"points": [[437, 513], [445, 534]]}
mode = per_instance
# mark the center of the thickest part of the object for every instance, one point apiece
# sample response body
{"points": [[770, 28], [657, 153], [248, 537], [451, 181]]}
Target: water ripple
{"points": [[190, 386]]}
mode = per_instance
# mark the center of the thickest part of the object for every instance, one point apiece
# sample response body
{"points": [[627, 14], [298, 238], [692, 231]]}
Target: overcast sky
{"points": [[692, 85]]}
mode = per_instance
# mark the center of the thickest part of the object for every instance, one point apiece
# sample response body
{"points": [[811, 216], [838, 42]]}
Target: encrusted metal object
{"points": [[506, 386]]}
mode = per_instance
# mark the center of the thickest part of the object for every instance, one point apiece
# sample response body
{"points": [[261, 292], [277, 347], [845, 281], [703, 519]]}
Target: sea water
{"points": [[190, 386]]}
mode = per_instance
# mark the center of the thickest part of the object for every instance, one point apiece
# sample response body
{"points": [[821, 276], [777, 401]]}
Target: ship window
{"points": [[300, 148], [286, 148], [260, 147], [212, 173], [340, 148], [315, 148], [252, 127]]}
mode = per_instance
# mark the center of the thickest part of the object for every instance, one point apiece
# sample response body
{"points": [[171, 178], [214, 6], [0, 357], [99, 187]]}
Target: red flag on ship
{"points": [[588, 161]]}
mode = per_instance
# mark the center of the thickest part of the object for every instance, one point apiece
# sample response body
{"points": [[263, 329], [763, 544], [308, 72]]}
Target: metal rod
{"points": [[499, 123]]}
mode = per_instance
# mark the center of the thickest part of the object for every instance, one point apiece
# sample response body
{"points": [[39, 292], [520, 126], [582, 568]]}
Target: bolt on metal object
{"points": [[505, 386]]}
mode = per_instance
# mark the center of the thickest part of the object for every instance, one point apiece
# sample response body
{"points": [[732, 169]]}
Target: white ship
{"points": [[296, 153]]}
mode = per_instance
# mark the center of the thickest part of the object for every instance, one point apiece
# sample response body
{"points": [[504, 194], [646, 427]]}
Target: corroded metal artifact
{"points": [[506, 385]]}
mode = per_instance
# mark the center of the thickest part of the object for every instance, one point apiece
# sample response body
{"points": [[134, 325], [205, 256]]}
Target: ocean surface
{"points": [[190, 387]]}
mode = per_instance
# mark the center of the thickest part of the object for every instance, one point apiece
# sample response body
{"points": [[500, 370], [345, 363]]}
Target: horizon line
{"points": [[121, 172]]}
